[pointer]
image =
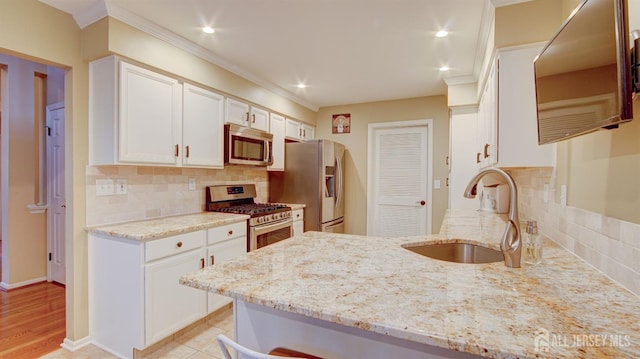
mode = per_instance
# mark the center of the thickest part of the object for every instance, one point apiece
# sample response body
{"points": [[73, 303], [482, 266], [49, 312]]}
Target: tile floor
{"points": [[198, 343]]}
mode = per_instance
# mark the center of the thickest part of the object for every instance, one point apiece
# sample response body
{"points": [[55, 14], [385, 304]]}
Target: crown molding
{"points": [[90, 14], [99, 9], [460, 80], [197, 50], [499, 3]]}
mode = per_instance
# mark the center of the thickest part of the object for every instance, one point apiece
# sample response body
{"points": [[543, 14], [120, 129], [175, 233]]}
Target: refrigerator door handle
{"points": [[337, 224], [338, 182]]}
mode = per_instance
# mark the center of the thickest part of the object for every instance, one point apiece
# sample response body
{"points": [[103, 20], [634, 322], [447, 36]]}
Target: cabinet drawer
{"points": [[222, 233], [173, 245], [297, 215]]}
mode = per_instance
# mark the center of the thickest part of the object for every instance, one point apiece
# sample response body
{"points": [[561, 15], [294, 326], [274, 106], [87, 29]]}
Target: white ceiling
{"points": [[345, 51]]}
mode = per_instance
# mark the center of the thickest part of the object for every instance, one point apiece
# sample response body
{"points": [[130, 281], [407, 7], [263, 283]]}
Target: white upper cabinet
{"points": [[242, 114], [138, 116], [202, 128], [259, 119], [277, 127], [507, 117], [134, 114], [150, 116], [308, 132], [299, 131], [237, 112], [487, 128]]}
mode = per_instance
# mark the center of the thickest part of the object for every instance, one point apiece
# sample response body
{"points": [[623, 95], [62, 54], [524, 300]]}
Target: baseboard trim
{"points": [[72, 345], [6, 286]]}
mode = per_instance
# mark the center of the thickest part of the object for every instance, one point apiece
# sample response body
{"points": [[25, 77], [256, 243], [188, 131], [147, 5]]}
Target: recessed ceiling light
{"points": [[208, 30], [301, 86], [444, 68], [442, 33]]}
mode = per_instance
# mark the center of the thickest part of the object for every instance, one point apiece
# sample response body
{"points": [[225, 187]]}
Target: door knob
{"points": [[422, 203]]}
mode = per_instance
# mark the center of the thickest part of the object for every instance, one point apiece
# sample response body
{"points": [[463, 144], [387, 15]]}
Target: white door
{"points": [[56, 213], [399, 202], [202, 128]]}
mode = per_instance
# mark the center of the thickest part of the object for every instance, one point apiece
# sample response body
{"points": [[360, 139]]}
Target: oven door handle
{"points": [[260, 230]]}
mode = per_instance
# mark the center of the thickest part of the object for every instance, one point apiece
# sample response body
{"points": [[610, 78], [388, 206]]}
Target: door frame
{"points": [[373, 127]]}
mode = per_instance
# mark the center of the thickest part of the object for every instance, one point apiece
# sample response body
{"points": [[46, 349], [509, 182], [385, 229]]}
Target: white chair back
{"points": [[243, 353]]}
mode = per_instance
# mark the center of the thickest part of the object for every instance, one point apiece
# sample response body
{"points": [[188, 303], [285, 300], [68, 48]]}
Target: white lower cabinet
{"points": [[298, 221], [224, 243], [135, 298], [170, 306]]}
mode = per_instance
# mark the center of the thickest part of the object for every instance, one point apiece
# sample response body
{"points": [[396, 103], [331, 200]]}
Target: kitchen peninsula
{"points": [[346, 296]]}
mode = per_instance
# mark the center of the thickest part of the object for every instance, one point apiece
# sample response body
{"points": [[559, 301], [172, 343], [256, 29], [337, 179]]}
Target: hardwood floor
{"points": [[32, 320]]}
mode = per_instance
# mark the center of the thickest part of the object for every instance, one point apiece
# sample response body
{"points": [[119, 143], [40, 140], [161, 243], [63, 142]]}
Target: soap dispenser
{"points": [[532, 244]]}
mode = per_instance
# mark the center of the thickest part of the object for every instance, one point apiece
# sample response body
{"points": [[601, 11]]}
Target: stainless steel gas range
{"points": [[269, 222]]}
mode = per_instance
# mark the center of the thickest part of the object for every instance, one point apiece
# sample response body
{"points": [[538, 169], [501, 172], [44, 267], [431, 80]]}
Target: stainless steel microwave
{"points": [[247, 146]]}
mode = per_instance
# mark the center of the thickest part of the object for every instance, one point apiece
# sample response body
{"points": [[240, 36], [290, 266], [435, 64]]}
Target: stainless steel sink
{"points": [[458, 252]]}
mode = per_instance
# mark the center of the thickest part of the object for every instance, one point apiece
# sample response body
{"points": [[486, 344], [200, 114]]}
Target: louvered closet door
{"points": [[400, 181]]}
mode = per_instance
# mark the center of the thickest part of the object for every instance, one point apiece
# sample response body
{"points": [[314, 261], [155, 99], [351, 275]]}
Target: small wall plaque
{"points": [[341, 123]]}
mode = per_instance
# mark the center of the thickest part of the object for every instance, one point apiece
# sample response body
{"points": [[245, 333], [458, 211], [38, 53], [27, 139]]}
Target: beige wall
{"points": [[362, 115], [601, 171], [528, 22], [24, 232]]}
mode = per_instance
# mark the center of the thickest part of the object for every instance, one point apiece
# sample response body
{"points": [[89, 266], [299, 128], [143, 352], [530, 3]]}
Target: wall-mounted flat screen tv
{"points": [[583, 74]]}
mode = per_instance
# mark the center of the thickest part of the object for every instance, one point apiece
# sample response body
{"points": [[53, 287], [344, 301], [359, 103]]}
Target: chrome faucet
{"points": [[511, 243]]}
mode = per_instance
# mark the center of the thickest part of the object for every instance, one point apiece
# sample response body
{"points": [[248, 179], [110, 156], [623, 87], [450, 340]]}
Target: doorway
{"points": [[398, 178], [25, 90]]}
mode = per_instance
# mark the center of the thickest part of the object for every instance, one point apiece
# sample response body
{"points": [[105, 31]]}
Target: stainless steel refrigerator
{"points": [[313, 175]]}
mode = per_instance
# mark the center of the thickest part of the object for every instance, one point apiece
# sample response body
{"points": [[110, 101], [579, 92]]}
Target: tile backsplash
{"points": [[610, 245], [154, 192]]}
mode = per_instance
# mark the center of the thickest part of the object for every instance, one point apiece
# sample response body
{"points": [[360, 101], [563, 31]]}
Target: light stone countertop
{"points": [[168, 226], [490, 310]]}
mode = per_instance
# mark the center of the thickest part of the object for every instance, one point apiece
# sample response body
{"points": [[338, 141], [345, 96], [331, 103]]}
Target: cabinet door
{"points": [[259, 119], [293, 129], [202, 128], [298, 227], [220, 253], [298, 221], [170, 306], [487, 153], [237, 112], [277, 128], [149, 116], [308, 132]]}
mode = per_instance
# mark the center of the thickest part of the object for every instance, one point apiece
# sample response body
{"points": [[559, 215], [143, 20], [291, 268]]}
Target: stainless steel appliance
{"points": [[269, 222], [314, 176], [247, 146]]}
